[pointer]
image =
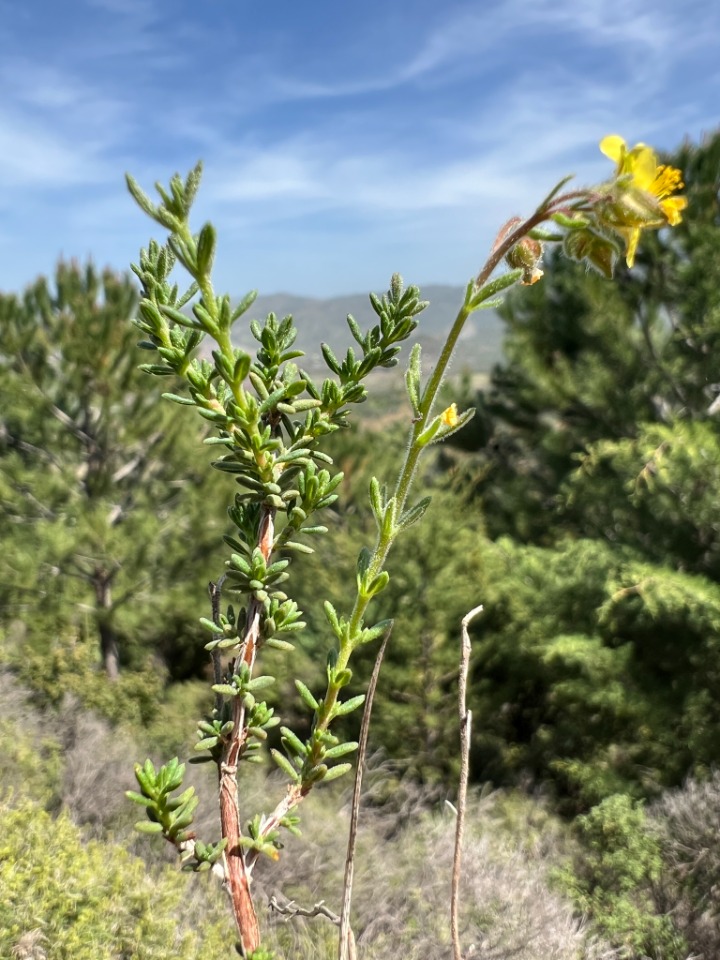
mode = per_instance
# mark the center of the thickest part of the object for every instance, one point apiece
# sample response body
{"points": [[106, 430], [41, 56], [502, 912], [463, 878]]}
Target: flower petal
{"points": [[449, 417], [613, 147], [632, 242], [642, 163], [672, 208]]}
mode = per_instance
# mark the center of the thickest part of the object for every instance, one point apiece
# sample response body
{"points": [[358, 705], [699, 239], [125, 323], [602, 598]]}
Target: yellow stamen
{"points": [[667, 180]]}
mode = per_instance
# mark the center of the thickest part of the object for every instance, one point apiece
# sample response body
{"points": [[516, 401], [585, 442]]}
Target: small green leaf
{"points": [[338, 771], [140, 197], [412, 378], [377, 584], [306, 696], [414, 513], [278, 644], [316, 774], [575, 222], [186, 401], [494, 287], [206, 242], [293, 742], [364, 560], [379, 630], [138, 798], [387, 529], [332, 617], [342, 709], [244, 305], [340, 750], [147, 826], [330, 358], [376, 499], [285, 765]]}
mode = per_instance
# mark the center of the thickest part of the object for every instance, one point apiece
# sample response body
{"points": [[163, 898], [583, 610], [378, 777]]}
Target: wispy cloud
{"points": [[510, 38], [341, 131]]}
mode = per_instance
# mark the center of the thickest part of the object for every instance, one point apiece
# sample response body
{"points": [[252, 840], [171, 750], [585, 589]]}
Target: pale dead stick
{"points": [[465, 730], [346, 945]]}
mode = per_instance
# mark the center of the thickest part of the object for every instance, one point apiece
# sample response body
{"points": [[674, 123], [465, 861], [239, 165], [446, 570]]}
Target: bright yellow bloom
{"points": [[638, 170], [449, 417]]}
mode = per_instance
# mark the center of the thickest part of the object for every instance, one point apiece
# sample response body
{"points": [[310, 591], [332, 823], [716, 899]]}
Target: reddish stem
{"points": [[237, 877]]}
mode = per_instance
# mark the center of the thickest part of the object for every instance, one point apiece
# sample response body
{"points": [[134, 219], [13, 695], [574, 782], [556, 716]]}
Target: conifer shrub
{"points": [[616, 870], [68, 666]]}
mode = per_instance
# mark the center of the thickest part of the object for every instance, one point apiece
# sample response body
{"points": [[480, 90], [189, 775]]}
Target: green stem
{"points": [[414, 449]]}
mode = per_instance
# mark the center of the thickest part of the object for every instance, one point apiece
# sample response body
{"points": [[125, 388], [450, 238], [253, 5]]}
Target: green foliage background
{"points": [[580, 508]]}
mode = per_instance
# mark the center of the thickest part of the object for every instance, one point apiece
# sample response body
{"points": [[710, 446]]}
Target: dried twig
{"points": [[291, 909], [465, 729], [346, 945]]}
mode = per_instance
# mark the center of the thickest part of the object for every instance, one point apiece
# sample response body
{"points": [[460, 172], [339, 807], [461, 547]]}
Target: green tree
{"points": [[597, 661], [613, 878], [102, 515]]}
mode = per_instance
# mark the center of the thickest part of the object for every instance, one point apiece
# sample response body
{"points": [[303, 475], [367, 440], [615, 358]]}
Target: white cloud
{"points": [[30, 155], [510, 38], [474, 122]]}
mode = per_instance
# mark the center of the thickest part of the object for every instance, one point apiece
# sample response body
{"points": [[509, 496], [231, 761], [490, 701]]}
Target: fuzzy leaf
{"points": [[306, 695], [285, 765], [342, 709], [338, 771], [148, 826]]}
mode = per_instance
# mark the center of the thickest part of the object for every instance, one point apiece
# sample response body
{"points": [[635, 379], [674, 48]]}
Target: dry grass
{"points": [[688, 821], [404, 856], [402, 888]]}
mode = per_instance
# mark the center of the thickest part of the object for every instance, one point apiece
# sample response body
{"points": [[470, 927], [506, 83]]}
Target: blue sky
{"points": [[341, 141]]}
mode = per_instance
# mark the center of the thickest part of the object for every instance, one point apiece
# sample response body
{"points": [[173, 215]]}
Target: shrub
{"points": [[612, 878], [90, 901], [688, 824]]}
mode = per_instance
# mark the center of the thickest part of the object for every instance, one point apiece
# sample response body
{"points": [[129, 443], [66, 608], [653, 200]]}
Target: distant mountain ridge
{"points": [[323, 320]]}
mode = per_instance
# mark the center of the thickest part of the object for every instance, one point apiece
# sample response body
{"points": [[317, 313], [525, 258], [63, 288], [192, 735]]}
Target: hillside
{"points": [[323, 320]]}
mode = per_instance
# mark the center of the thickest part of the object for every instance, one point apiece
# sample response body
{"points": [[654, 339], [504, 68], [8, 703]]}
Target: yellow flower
{"points": [[646, 186], [449, 417]]}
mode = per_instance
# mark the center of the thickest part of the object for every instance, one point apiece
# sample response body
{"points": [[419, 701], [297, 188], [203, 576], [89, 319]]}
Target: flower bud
{"points": [[526, 255]]}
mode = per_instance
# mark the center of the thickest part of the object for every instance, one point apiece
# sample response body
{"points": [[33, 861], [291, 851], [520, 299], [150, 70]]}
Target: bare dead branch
{"points": [[465, 717], [290, 910], [346, 945]]}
